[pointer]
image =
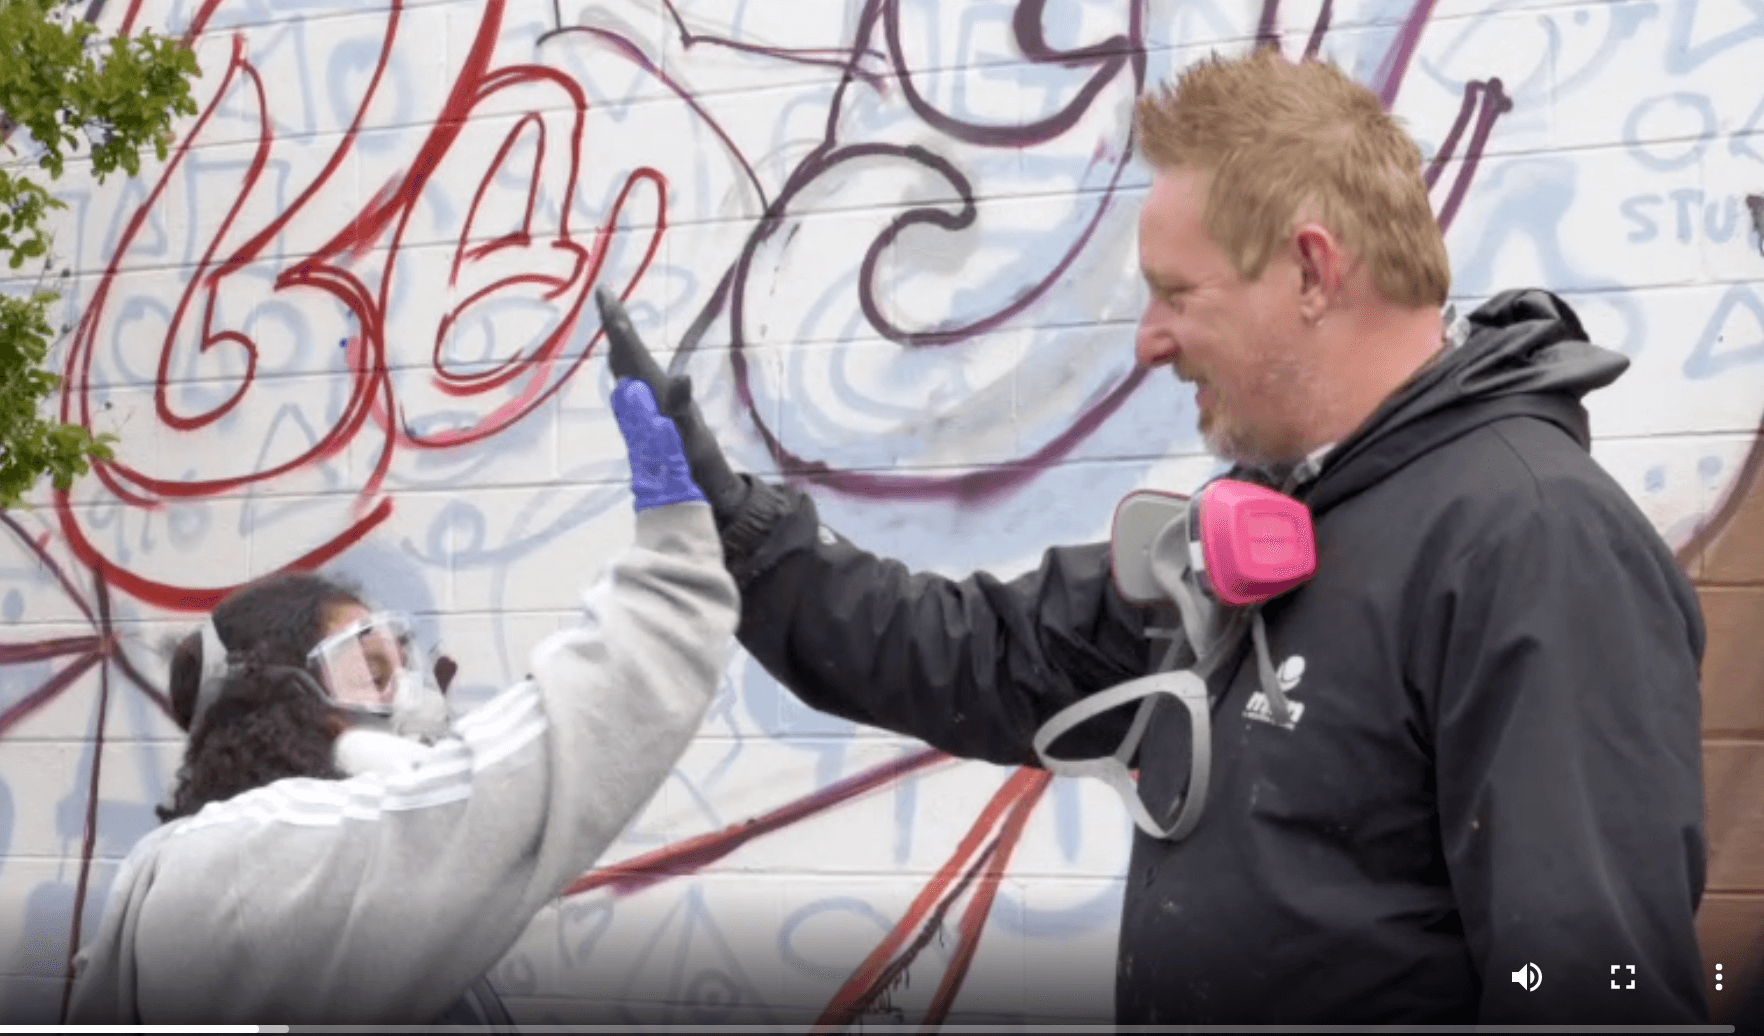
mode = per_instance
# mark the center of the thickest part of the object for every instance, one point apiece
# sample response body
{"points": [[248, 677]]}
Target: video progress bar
{"points": [[873, 1028]]}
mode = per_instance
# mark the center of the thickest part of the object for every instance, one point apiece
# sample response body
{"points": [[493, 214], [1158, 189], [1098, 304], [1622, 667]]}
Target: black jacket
{"points": [[1498, 761]]}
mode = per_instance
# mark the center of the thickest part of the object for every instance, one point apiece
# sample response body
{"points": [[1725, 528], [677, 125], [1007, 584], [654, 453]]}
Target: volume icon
{"points": [[1529, 977]]}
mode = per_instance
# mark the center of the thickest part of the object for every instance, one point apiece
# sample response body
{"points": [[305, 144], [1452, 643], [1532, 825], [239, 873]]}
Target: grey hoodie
{"points": [[382, 899]]}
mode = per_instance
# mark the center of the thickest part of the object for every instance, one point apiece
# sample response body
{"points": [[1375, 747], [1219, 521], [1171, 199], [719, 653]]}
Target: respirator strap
{"points": [[1142, 716], [1270, 681], [1189, 687], [1186, 688]]}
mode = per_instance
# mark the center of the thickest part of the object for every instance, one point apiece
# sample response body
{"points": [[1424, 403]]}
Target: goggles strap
{"points": [[214, 671]]}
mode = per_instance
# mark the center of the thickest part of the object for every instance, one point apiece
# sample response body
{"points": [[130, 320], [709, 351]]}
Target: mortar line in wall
{"points": [[1132, 184], [1493, 150], [754, 874], [193, 618], [622, 483], [16, 284], [1248, 36], [617, 482], [811, 345], [877, 741], [665, 39]]}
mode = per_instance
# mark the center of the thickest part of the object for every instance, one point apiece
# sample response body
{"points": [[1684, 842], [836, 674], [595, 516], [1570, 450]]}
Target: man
{"points": [[1497, 766]]}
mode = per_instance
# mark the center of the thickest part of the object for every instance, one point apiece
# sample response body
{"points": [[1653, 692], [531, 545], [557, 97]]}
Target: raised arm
{"points": [[972, 667]]}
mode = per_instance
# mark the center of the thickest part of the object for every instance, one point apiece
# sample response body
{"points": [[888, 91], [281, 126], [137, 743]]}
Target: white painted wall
{"points": [[643, 156]]}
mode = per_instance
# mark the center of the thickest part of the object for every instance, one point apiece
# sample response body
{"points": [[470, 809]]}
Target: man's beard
{"points": [[1293, 389], [1238, 449]]}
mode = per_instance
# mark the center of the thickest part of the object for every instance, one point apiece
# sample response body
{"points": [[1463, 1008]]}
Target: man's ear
{"points": [[1322, 269]]}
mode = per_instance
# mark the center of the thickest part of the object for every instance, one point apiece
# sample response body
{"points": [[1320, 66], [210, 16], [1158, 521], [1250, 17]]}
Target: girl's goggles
{"points": [[359, 665]]}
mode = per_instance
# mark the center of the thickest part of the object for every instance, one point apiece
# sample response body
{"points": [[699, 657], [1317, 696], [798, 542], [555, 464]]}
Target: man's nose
{"points": [[1153, 346]]}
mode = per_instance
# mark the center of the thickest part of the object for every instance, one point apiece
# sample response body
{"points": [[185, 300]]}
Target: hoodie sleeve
{"points": [[1565, 647], [971, 666], [381, 899]]}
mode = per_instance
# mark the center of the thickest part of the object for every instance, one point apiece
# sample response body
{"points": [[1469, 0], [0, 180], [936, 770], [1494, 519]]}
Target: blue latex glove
{"points": [[660, 474]]}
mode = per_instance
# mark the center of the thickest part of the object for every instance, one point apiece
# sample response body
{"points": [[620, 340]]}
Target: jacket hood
{"points": [[1525, 354]]}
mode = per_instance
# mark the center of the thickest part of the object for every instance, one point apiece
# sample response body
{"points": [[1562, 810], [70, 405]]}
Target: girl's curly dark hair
{"points": [[266, 723]]}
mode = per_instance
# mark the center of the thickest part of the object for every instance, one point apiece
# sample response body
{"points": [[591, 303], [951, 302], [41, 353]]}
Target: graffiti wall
{"points": [[345, 325]]}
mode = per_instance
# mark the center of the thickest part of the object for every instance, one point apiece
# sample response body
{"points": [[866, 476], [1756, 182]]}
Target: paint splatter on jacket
{"points": [[1498, 761], [383, 899]]}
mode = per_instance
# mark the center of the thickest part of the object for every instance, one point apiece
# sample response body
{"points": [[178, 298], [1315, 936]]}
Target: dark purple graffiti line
{"points": [[89, 836], [1493, 104], [1026, 30], [850, 61], [636, 56], [49, 690], [39, 548], [103, 645], [1008, 811], [56, 647], [1111, 56], [1388, 80], [694, 854], [936, 217], [98, 651], [991, 482], [1268, 26], [874, 996], [1314, 45], [1108, 56], [1448, 149]]}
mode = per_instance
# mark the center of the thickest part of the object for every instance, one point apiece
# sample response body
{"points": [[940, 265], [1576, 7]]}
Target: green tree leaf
{"points": [[60, 88]]}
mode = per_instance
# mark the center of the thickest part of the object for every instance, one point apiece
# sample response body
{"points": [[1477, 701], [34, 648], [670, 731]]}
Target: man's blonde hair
{"points": [[1284, 139]]}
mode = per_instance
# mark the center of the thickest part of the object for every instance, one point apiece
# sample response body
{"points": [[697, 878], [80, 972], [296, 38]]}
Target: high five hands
{"points": [[671, 398]]}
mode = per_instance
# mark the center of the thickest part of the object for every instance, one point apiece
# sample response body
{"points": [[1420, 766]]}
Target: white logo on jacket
{"points": [[1288, 676]]}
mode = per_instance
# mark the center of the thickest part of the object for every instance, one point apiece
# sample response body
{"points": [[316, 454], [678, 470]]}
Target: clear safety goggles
{"points": [[360, 664]]}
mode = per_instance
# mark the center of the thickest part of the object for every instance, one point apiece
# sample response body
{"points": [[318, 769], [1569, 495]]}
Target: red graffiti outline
{"points": [[371, 397]]}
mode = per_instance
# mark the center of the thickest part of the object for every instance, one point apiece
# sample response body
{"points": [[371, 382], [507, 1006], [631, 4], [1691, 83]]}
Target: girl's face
{"points": [[375, 659], [338, 616], [368, 665]]}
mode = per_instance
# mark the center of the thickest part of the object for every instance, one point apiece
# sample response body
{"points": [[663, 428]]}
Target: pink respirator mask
{"points": [[1216, 556], [1244, 543]]}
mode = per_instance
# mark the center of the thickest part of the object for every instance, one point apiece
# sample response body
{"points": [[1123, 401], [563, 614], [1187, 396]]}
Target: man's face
{"points": [[1238, 341]]}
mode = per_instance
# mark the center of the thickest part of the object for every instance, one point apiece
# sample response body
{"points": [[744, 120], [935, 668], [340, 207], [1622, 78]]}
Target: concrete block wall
{"points": [[347, 324]]}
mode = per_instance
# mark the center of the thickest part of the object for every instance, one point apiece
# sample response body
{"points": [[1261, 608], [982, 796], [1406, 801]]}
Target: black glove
{"points": [[629, 358]]}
